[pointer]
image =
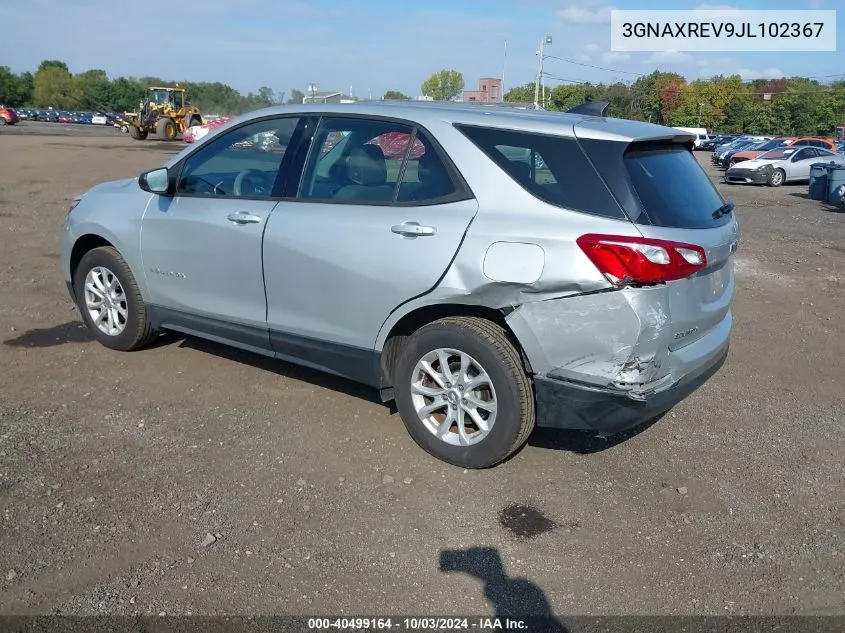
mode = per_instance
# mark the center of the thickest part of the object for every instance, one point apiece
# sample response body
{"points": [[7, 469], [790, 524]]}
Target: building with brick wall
{"points": [[489, 91]]}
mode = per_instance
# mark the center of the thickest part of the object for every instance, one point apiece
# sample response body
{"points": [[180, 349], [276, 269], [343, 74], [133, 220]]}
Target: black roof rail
{"points": [[591, 108]]}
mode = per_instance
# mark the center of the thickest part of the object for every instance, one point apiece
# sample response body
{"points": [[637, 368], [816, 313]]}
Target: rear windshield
{"points": [[552, 168], [673, 189]]}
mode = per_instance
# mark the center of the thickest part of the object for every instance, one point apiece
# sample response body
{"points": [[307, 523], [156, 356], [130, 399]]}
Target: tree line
{"points": [[796, 105], [53, 85], [793, 106]]}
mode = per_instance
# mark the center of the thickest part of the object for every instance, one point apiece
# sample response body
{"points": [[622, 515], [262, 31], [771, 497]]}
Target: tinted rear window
{"points": [[552, 168], [672, 188]]}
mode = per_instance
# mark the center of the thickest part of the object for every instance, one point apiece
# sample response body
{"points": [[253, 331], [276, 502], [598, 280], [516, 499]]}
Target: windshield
{"points": [[740, 143], [779, 154], [774, 144], [158, 97]]}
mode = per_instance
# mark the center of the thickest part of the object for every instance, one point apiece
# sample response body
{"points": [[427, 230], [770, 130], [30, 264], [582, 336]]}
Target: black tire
{"points": [[166, 129], [489, 345], [138, 331], [776, 178], [2, 121], [137, 134]]}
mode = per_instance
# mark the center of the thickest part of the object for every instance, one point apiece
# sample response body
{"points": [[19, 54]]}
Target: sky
{"points": [[370, 46]]}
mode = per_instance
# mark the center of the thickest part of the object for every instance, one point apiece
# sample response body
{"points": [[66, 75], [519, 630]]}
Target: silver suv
{"points": [[488, 269]]}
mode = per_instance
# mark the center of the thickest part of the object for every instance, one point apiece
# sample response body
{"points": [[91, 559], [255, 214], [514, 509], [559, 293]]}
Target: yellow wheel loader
{"points": [[165, 112]]}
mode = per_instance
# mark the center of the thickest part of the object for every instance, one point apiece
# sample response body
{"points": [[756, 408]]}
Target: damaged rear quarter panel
{"points": [[611, 339]]}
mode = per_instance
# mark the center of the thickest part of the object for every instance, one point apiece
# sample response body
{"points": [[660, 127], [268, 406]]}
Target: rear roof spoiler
{"points": [[591, 108]]}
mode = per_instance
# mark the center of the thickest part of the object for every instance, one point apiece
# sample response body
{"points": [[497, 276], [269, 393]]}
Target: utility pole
{"points": [[539, 80], [504, 67]]}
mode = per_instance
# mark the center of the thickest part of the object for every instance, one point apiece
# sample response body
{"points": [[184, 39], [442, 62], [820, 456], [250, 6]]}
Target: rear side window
{"points": [[552, 168], [673, 189]]}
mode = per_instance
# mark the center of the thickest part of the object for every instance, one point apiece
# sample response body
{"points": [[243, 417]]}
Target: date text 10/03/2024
{"points": [[419, 624], [728, 29]]}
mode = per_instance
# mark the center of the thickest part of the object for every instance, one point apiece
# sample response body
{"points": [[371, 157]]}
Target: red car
{"points": [[8, 116], [195, 133]]}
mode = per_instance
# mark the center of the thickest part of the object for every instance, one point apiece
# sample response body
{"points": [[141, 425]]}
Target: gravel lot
{"points": [[190, 478]]}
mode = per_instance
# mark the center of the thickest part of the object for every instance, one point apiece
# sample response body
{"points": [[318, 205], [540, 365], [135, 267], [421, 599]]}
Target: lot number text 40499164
{"points": [[418, 624]]}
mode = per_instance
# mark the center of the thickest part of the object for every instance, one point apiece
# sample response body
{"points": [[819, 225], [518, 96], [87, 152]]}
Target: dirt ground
{"points": [[115, 467]]}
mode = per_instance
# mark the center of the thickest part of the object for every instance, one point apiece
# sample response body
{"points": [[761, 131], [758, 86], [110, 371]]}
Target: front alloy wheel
{"points": [[110, 301], [106, 301]]}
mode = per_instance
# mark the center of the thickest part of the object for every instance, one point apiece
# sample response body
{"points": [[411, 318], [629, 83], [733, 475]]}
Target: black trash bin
{"points": [[819, 174]]}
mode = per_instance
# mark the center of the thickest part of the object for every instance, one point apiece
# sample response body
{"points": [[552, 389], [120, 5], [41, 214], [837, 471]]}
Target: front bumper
{"points": [[566, 405], [747, 176]]}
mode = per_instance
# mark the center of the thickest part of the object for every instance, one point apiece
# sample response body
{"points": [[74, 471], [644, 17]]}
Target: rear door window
{"points": [[551, 168], [672, 188]]}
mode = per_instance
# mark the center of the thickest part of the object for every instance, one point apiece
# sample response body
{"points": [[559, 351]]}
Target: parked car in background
{"points": [[738, 143], [701, 140], [726, 156], [783, 141], [779, 166], [716, 141], [196, 132], [759, 150], [8, 116], [481, 293]]}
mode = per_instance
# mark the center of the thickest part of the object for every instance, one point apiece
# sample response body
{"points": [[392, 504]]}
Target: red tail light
{"points": [[639, 260]]}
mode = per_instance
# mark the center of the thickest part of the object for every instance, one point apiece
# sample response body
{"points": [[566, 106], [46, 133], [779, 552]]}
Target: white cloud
{"points": [[709, 66], [768, 73], [592, 47], [615, 58], [717, 10], [715, 7], [668, 57], [577, 15]]}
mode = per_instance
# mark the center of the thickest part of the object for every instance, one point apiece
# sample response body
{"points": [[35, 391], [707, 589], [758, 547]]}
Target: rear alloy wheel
{"points": [[776, 178], [110, 301], [463, 393]]}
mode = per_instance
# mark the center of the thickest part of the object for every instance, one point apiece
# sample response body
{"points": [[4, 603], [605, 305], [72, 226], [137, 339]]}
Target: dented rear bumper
{"points": [[567, 405], [609, 361]]}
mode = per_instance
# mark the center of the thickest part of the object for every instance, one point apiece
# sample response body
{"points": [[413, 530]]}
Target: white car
{"points": [[784, 164]]}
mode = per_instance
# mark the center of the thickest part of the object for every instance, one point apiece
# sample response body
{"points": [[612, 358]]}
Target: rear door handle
{"points": [[242, 217], [413, 229]]}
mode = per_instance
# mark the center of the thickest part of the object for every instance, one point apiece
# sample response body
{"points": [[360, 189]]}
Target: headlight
{"points": [[73, 204]]}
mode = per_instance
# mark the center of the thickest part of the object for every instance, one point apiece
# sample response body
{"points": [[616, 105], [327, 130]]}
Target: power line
{"points": [[610, 70]]}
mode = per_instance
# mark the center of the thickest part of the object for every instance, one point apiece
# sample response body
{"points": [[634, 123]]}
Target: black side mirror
{"points": [[156, 181]]}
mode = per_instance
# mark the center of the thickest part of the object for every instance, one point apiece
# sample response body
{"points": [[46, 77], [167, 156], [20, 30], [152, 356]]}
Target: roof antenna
{"points": [[591, 108]]}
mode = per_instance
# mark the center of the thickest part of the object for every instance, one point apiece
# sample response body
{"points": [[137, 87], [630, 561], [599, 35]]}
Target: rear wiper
{"points": [[725, 209]]}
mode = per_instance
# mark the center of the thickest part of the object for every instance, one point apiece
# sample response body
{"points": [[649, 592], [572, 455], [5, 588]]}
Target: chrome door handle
{"points": [[413, 229], [242, 217]]}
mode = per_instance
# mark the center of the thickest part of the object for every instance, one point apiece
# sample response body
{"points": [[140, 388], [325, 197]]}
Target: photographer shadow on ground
{"points": [[511, 597]]}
